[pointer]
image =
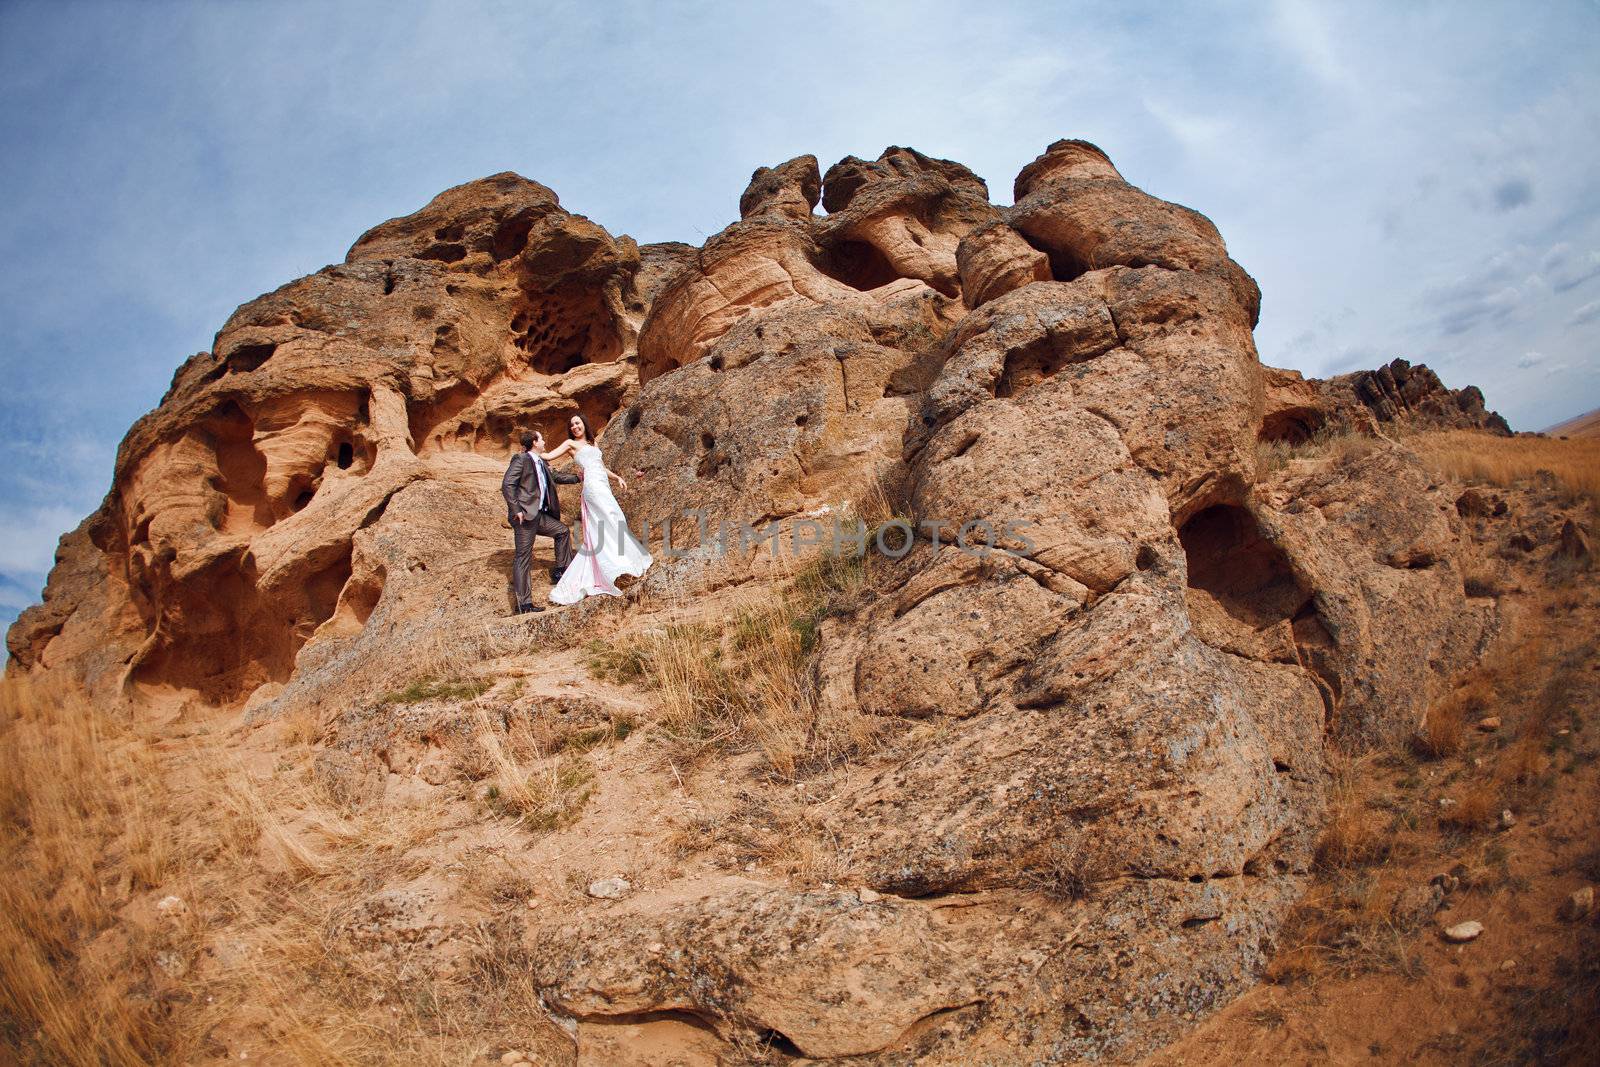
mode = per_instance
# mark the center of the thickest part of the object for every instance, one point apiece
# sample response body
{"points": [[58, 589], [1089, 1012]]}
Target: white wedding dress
{"points": [[606, 548]]}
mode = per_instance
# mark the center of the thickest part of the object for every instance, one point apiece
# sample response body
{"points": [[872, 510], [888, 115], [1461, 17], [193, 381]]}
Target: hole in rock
{"points": [[445, 253], [322, 591], [347, 455], [1065, 265], [511, 235], [801, 419], [1146, 558], [305, 497], [632, 420], [565, 329], [1230, 559], [858, 265], [434, 424], [707, 441], [231, 640], [356, 603], [1233, 566], [1291, 426], [1029, 365], [247, 358], [774, 1041], [241, 470], [388, 283]]}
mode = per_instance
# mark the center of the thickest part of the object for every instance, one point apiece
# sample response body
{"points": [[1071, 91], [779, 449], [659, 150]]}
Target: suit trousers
{"points": [[541, 525]]}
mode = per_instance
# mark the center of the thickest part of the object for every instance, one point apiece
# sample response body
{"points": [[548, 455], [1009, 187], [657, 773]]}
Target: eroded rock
{"points": [[1134, 641]]}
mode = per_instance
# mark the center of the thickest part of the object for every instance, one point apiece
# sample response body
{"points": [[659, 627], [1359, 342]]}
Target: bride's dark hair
{"points": [[588, 434]]}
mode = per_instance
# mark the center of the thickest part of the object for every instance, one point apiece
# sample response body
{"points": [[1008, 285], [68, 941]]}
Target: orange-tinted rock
{"points": [[994, 259], [1150, 659]]}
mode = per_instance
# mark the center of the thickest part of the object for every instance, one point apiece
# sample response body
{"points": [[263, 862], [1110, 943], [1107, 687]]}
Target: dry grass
{"points": [[1069, 868], [1470, 456], [69, 797], [745, 684], [1345, 926], [1273, 456], [96, 824], [1387, 832], [527, 780], [1444, 727], [1475, 807], [1354, 835]]}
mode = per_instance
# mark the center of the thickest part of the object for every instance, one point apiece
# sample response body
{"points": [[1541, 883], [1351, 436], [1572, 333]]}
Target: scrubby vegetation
{"points": [[743, 682]]}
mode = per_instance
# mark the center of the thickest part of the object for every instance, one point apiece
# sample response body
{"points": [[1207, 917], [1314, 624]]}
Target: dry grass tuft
{"points": [[1353, 837], [1444, 728], [1338, 445], [544, 793], [745, 684], [1345, 926], [1475, 808], [1069, 868]]}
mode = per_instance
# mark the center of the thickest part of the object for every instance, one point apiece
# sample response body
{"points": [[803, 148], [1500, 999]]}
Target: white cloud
{"points": [[1585, 314], [28, 540], [1304, 29], [173, 160]]}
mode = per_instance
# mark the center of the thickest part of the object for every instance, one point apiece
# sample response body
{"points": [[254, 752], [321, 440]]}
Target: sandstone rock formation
{"points": [[1146, 666], [1396, 395]]}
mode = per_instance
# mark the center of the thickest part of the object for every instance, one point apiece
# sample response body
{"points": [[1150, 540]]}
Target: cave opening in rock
{"points": [[346, 456], [444, 253], [857, 264], [1065, 265], [511, 235], [1266, 610], [247, 358], [1231, 559], [1027, 366], [434, 424], [1290, 426], [241, 469]]}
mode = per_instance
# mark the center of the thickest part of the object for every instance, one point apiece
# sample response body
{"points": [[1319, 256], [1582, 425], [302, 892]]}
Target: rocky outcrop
{"points": [[1138, 646], [260, 505], [1405, 395]]}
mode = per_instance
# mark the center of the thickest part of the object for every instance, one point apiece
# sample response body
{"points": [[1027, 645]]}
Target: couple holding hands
{"points": [[608, 550]]}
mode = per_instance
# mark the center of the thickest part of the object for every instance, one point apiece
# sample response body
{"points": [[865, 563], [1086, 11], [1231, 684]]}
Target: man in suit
{"points": [[533, 509]]}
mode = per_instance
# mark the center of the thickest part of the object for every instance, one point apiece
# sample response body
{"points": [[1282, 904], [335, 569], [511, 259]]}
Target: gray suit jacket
{"points": [[520, 487]]}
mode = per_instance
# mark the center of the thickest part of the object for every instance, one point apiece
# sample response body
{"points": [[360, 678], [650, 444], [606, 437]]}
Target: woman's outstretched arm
{"points": [[557, 452]]}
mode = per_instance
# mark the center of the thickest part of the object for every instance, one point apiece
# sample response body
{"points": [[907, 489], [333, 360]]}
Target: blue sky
{"points": [[1411, 180]]}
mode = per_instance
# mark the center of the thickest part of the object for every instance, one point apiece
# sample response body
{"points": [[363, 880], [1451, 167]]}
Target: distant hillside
{"points": [[1585, 425]]}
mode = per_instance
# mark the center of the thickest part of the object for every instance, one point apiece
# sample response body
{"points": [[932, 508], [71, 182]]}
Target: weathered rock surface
{"points": [[295, 473], [1402, 394], [1148, 662]]}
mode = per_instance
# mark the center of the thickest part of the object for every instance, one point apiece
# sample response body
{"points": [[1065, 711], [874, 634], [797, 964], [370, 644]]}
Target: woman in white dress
{"points": [[607, 549]]}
